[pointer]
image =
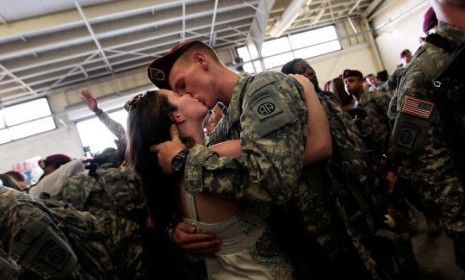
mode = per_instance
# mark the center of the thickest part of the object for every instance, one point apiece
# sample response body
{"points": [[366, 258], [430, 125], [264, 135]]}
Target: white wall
{"points": [[63, 140], [399, 26], [332, 65], [329, 66]]}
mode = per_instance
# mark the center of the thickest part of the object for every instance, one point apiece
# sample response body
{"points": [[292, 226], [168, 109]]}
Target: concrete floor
{"points": [[435, 255]]}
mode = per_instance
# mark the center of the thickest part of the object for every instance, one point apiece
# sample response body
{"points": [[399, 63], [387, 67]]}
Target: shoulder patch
{"points": [[417, 107], [266, 111], [265, 105]]}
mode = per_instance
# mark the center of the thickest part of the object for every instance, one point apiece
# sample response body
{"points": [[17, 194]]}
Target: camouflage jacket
{"points": [[430, 166], [115, 201], [32, 240], [115, 127], [377, 127], [268, 113]]}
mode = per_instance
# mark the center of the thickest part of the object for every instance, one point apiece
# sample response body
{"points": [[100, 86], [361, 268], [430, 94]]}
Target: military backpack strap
{"points": [[449, 95]]}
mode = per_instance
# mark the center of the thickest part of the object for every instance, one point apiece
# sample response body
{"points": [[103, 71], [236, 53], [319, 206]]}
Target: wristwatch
{"points": [[178, 163]]}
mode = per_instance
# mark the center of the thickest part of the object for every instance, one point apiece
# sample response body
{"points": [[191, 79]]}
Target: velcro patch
{"points": [[268, 110], [417, 107], [266, 107]]}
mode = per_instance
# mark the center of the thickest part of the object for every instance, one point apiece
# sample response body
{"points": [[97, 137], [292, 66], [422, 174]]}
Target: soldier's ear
{"points": [[177, 118], [201, 59]]}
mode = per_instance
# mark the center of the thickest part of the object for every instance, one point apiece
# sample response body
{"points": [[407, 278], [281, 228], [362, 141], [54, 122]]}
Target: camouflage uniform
{"points": [[115, 201], [268, 113], [115, 127], [428, 164], [32, 242], [273, 157], [376, 127]]}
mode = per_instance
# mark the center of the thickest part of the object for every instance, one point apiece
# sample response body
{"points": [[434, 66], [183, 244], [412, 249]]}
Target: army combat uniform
{"points": [[268, 113], [421, 135], [376, 105], [32, 242]]}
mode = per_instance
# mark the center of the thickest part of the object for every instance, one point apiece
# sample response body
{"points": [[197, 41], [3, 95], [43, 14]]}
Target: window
{"points": [[25, 119], [277, 52], [95, 135]]}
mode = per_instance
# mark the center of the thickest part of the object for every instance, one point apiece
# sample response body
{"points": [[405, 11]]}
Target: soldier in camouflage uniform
{"points": [[115, 201], [376, 127], [428, 124], [351, 185], [104, 234], [115, 127], [32, 242], [272, 136]]}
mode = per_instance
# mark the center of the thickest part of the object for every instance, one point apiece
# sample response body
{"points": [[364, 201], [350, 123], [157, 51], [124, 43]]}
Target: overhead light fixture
{"points": [[295, 8]]}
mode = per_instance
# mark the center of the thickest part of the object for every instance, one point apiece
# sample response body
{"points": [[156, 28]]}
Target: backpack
{"points": [[449, 96], [361, 200]]}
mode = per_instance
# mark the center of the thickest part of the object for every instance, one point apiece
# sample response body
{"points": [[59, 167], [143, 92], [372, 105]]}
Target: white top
{"points": [[53, 182]]}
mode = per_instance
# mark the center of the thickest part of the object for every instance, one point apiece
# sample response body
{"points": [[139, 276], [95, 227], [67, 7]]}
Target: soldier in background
{"points": [[376, 125], [32, 242], [115, 127], [429, 132]]}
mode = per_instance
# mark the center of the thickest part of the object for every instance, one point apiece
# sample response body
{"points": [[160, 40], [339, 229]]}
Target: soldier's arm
{"points": [[273, 135], [318, 146], [428, 162], [115, 127]]}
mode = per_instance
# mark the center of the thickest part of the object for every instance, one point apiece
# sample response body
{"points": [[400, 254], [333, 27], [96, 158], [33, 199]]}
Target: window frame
{"points": [[251, 63], [7, 127]]}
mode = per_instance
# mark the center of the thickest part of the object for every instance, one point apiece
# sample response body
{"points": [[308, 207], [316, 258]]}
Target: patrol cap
{"points": [[352, 73], [159, 69]]}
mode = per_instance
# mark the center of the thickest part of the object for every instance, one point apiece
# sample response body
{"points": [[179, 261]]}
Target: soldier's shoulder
{"points": [[266, 78]]}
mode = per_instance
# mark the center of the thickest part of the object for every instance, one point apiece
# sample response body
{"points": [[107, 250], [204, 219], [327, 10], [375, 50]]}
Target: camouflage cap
{"points": [[159, 69], [351, 73]]}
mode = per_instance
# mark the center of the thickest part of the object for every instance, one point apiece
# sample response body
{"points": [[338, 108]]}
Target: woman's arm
{"points": [[318, 146], [228, 148]]}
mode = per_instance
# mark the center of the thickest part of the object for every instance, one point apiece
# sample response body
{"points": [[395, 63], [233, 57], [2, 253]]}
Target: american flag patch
{"points": [[417, 107]]}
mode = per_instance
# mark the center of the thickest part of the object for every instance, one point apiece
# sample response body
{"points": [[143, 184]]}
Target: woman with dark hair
{"points": [[247, 249]]}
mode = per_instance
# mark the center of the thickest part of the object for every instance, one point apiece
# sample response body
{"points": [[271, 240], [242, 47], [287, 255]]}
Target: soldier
{"points": [[273, 124], [351, 181], [115, 127], [268, 113], [375, 105], [32, 242], [429, 131]]}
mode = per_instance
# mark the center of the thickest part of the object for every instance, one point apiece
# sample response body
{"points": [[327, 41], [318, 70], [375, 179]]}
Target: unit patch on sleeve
{"points": [[417, 107]]}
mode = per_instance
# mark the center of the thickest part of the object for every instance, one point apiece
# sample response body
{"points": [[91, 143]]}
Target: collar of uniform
{"points": [[451, 32], [234, 112]]}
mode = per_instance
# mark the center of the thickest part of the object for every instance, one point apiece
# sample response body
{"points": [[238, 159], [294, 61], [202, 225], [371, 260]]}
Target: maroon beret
{"points": [[430, 20], [159, 69], [352, 73]]}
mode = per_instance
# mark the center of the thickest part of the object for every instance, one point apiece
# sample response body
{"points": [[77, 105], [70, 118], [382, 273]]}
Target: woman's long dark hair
{"points": [[149, 124]]}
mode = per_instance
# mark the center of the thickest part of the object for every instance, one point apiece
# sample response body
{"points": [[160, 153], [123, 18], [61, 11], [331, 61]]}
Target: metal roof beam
{"points": [[215, 9], [91, 31], [18, 80]]}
